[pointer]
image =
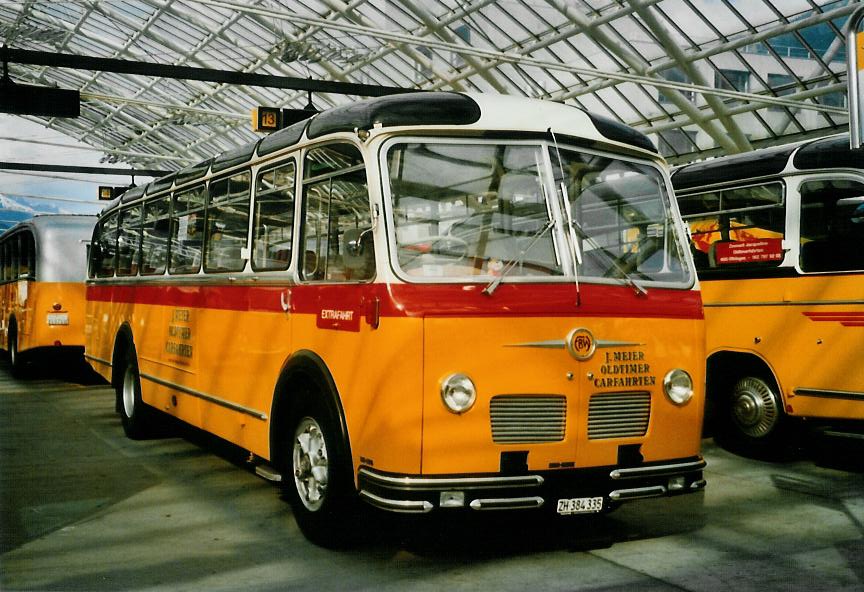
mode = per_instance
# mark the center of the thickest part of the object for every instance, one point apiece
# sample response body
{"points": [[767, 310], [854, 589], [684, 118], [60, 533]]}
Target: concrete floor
{"points": [[83, 508]]}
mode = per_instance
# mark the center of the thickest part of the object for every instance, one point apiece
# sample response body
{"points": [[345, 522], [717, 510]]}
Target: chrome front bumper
{"points": [[418, 495]]}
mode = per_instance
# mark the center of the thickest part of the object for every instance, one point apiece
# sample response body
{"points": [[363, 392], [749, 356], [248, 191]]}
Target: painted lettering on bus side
{"points": [[625, 369], [179, 333], [338, 319], [179, 349], [338, 315]]}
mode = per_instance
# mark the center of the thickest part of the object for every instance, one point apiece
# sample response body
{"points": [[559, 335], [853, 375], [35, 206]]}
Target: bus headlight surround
{"points": [[458, 393], [678, 386]]}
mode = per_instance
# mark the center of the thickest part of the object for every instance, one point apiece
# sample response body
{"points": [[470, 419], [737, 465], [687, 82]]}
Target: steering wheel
{"points": [[435, 245]]}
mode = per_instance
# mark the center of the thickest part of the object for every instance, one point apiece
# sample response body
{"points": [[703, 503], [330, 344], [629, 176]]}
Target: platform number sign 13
{"points": [[266, 119]]}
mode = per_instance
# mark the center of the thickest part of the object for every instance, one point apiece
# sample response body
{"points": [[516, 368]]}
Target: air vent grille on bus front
{"points": [[618, 415], [528, 419]]}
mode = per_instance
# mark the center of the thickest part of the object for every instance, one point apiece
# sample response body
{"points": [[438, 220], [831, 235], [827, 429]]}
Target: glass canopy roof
{"points": [[701, 77]]}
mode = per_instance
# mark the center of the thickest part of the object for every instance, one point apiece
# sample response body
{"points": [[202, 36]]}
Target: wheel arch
{"points": [[725, 367], [302, 368]]}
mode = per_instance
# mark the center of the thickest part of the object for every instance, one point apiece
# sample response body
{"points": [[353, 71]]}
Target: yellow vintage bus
{"points": [[428, 302], [777, 236], [43, 263]]}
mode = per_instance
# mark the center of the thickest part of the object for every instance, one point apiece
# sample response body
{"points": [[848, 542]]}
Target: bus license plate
{"points": [[580, 505], [58, 318]]}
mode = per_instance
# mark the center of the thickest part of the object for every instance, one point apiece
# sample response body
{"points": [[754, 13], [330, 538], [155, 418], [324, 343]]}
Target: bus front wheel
{"points": [[318, 482], [753, 422]]}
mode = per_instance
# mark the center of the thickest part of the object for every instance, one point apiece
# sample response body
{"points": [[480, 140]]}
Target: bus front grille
{"points": [[618, 415], [528, 419]]}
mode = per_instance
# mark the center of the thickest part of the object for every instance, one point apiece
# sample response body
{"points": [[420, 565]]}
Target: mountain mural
{"points": [[17, 208]]}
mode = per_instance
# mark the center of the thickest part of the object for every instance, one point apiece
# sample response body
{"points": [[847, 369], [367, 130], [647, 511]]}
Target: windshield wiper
{"points": [[625, 275], [493, 285], [578, 255]]}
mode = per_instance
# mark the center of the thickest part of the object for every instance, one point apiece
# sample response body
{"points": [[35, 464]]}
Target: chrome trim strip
{"points": [[269, 473], [404, 506], [562, 343], [551, 344], [210, 398], [637, 493], [507, 503], [432, 483], [658, 470], [782, 303], [828, 394], [839, 434], [95, 359], [605, 343]]}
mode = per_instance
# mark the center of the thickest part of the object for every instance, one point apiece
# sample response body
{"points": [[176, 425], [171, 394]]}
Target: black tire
{"points": [[17, 360], [751, 421], [317, 477], [136, 416]]}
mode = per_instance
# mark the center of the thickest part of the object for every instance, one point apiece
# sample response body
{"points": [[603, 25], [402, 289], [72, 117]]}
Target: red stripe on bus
{"points": [[462, 300], [840, 317]]}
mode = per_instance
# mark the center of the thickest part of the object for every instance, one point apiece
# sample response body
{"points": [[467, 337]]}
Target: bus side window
{"points": [[28, 254], [832, 225], [734, 215], [274, 218], [106, 246], [16, 256], [154, 236], [227, 223], [336, 202], [187, 230], [129, 241]]}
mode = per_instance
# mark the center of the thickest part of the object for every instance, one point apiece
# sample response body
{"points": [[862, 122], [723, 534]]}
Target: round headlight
{"points": [[458, 393], [678, 386]]}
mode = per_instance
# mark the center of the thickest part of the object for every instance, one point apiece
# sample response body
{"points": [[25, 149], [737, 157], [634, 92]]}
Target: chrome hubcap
{"points": [[310, 464], [129, 392], [754, 407]]}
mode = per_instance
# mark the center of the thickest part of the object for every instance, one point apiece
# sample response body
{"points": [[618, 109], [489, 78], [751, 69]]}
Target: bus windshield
{"points": [[472, 210], [621, 219]]}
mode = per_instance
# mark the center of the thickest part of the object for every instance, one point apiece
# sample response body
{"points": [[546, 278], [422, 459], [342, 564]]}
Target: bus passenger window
{"points": [[3, 259], [228, 223], [105, 246], [154, 236], [832, 225], [187, 230], [754, 214], [274, 218], [28, 254], [128, 242], [337, 216]]}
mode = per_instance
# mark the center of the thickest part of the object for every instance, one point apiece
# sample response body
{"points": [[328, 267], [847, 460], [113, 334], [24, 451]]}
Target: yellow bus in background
{"points": [[43, 266], [430, 303], [778, 239]]}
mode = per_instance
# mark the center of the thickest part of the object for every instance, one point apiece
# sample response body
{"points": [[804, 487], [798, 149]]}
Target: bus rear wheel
{"points": [[752, 421], [135, 415], [16, 358], [318, 479]]}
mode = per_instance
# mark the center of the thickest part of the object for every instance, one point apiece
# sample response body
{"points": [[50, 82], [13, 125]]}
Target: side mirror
{"points": [[353, 239], [358, 251]]}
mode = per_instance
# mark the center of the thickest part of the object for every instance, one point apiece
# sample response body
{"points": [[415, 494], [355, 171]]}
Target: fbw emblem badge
{"points": [[581, 344]]}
